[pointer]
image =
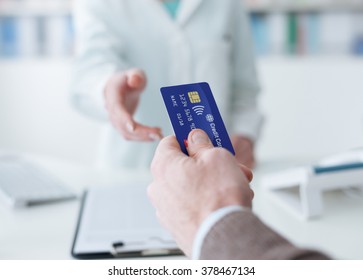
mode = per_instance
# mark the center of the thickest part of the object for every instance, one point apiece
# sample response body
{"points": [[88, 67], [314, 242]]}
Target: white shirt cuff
{"points": [[207, 225], [248, 123]]}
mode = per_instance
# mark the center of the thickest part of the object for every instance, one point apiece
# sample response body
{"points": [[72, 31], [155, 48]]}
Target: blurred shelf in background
{"points": [[294, 6], [49, 7], [35, 28], [307, 27], [35, 7]]}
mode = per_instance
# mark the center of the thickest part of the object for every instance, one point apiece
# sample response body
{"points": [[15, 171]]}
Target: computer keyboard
{"points": [[23, 183]]}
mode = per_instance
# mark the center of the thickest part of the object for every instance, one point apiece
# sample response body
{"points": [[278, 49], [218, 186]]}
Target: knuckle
{"points": [[165, 141], [155, 166], [149, 191], [218, 153]]}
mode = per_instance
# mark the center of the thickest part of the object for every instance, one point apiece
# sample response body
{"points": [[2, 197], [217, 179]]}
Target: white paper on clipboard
{"points": [[120, 215]]}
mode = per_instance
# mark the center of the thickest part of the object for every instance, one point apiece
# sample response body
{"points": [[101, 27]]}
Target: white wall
{"points": [[35, 115], [313, 107]]}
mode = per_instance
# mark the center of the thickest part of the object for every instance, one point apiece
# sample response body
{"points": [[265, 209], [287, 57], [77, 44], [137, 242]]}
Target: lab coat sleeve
{"points": [[99, 55], [246, 119]]}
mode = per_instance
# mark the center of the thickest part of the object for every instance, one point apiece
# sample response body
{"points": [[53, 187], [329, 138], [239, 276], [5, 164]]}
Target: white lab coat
{"points": [[209, 41]]}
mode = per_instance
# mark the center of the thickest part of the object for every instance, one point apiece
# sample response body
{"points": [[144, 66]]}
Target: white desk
{"points": [[46, 232]]}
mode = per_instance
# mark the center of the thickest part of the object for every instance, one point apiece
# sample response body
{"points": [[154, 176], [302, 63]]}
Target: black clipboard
{"points": [[118, 247]]}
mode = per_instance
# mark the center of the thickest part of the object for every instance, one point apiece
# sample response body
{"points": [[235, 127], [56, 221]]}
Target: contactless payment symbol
{"points": [[194, 97], [199, 110]]}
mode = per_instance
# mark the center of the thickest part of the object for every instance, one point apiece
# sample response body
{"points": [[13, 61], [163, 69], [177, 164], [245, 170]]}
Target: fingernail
{"points": [[186, 143], [199, 137], [130, 127], [155, 137]]}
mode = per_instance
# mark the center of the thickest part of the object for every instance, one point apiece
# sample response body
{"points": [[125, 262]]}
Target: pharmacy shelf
{"points": [[16, 9], [63, 7], [304, 8]]}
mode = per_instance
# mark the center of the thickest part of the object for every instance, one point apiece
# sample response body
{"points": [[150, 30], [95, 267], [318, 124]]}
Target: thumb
{"points": [[198, 141]]}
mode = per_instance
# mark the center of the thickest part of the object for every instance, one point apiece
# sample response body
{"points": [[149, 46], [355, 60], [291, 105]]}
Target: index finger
{"points": [[136, 78], [248, 172]]}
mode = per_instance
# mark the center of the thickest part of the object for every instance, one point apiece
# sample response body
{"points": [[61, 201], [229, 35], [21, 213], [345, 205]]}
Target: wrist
{"points": [[233, 201], [208, 224]]}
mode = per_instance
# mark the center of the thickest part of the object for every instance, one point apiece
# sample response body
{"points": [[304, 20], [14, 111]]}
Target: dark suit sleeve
{"points": [[241, 236]]}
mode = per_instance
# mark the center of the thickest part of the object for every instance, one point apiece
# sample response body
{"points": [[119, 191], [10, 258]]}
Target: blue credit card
{"points": [[193, 106]]}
